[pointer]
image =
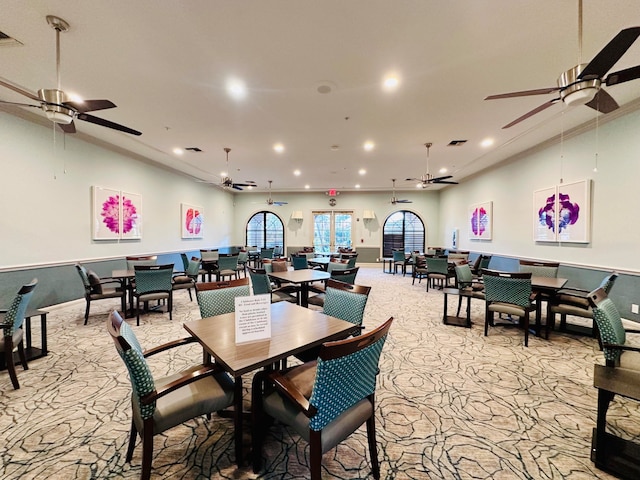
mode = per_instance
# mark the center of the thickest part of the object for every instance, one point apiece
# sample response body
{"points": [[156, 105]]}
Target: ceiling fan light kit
{"points": [[574, 91]]}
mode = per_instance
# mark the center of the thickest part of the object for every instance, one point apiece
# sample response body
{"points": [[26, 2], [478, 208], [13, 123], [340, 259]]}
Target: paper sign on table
{"points": [[253, 318]]}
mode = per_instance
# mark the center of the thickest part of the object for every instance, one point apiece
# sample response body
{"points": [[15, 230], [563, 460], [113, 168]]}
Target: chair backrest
{"points": [[458, 256], [134, 261], [277, 251], [131, 353], [346, 301], [299, 262], [508, 287], [485, 260], [608, 282], [84, 275], [217, 298], [350, 258], [464, 276], [228, 262], [243, 256], [346, 373], [347, 275], [193, 267], [14, 316], [398, 256], [266, 253], [259, 281], [610, 326], [209, 255], [540, 269], [336, 264], [153, 278], [437, 265]]}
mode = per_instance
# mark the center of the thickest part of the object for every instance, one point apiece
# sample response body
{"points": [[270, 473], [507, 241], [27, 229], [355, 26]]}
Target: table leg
{"points": [[237, 419], [304, 295], [43, 333], [27, 330]]}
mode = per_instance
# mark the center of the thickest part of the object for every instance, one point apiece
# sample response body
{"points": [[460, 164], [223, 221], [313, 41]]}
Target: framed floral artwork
{"points": [[191, 221], [563, 213], [116, 214], [481, 221]]}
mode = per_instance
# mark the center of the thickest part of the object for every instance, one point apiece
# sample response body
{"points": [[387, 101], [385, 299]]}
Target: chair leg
{"points": [[138, 311], [373, 451], [459, 305], [604, 398], [147, 450], [8, 358], [132, 442], [526, 329], [170, 305], [315, 449], [86, 312], [488, 318], [23, 357]]}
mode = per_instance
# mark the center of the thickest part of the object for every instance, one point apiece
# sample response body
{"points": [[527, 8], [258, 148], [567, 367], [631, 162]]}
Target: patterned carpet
{"points": [[451, 403]]}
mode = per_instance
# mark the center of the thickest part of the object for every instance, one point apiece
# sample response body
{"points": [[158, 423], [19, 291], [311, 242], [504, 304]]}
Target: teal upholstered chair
{"points": [[218, 298], [261, 285], [344, 275], [227, 267], [243, 258], [153, 283], [418, 269], [620, 375], [399, 260], [323, 401], [438, 270], [540, 269], [481, 263], [277, 251], [508, 293], [187, 279], [575, 302], [350, 257], [134, 261], [209, 258], [96, 288], [299, 262], [466, 285], [159, 404], [266, 253], [12, 320]]}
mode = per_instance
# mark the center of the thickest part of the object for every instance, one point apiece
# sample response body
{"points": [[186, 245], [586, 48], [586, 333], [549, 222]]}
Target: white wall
{"points": [[615, 198], [45, 213]]}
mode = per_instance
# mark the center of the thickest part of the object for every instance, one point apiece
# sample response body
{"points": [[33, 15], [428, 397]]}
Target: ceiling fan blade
{"points": [[235, 186], [445, 182], [279, 204], [90, 105], [67, 128], [542, 107], [403, 201], [20, 104], [413, 180], [603, 102], [245, 184], [106, 123], [21, 91], [439, 179], [623, 75], [524, 93], [610, 54]]}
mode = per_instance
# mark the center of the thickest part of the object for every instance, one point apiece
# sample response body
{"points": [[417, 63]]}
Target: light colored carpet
{"points": [[451, 403]]}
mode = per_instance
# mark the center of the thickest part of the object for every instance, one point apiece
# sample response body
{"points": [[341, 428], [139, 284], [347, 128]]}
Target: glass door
{"points": [[332, 230]]}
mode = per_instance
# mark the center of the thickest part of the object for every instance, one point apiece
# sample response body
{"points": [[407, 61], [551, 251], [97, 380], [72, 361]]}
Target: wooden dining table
{"points": [[294, 329], [303, 278]]}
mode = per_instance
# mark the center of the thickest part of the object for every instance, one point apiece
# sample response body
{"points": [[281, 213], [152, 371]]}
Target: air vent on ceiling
{"points": [[456, 143], [7, 41], [193, 149]]}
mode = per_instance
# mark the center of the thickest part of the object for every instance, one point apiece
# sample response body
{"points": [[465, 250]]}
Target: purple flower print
{"points": [[111, 213], [568, 212], [129, 215], [479, 221]]}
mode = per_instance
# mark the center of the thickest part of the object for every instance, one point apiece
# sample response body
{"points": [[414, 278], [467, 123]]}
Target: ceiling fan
{"points": [[270, 201], [427, 179], [581, 85], [54, 102], [395, 200], [227, 182]]}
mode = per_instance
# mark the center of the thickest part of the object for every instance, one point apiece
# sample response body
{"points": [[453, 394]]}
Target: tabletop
{"points": [[293, 330], [305, 275]]}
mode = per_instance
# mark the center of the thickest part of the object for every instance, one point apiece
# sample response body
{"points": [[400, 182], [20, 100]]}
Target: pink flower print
{"points": [[193, 221], [111, 213], [129, 215]]}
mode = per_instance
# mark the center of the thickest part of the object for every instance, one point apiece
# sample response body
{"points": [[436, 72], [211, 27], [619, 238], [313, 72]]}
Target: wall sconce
{"points": [[368, 215], [297, 215]]}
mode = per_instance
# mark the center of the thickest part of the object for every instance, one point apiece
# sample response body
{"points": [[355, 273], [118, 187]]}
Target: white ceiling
{"points": [[165, 64]]}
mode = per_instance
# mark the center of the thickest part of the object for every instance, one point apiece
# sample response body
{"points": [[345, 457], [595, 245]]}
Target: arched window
{"points": [[403, 230], [265, 230]]}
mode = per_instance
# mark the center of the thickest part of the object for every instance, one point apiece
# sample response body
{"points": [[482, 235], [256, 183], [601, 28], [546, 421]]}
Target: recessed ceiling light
{"points": [[443, 170], [391, 82], [357, 185], [236, 89], [368, 146], [487, 142], [278, 147], [178, 151], [362, 171], [307, 187], [297, 173]]}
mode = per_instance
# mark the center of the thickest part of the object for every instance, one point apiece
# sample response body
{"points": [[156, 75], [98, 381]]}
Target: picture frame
{"points": [[481, 221], [562, 213], [191, 221], [544, 215], [116, 215]]}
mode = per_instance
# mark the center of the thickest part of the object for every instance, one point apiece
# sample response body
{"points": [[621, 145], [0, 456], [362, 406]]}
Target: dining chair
{"points": [[399, 260], [12, 320], [323, 401], [185, 265], [265, 253], [133, 261], [96, 288], [467, 286], [419, 269], [218, 298], [539, 269], [261, 284], [350, 257], [243, 258], [187, 279], [153, 282], [438, 270], [299, 262], [277, 251], [345, 275], [509, 293], [209, 260], [620, 375], [227, 267], [575, 302], [482, 262], [161, 403]]}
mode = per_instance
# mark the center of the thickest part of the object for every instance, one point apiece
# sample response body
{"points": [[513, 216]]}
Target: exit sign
{"points": [[332, 192]]}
